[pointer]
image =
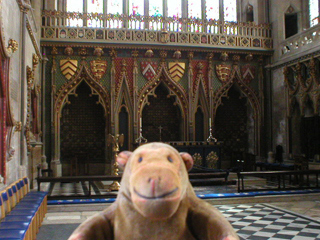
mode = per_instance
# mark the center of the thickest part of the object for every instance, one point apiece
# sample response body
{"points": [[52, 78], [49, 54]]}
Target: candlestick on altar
{"points": [[211, 138], [141, 139]]}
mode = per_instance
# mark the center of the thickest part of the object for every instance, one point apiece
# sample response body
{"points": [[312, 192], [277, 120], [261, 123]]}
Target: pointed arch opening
{"points": [[124, 127], [162, 117], [83, 133], [199, 124], [231, 123], [310, 131]]}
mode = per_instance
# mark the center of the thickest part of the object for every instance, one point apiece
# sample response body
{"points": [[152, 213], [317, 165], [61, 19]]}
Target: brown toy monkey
{"points": [[156, 201]]}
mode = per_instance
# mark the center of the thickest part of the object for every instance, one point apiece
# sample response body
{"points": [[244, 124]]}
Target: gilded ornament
{"points": [[68, 51], [113, 53], [200, 66], [190, 55], [135, 53], [236, 58], [212, 160], [54, 51], [83, 52], [224, 56], [177, 54], [149, 53], [35, 60], [249, 57], [12, 45], [210, 56], [164, 37], [18, 126], [98, 52], [30, 76], [197, 159], [163, 54]]}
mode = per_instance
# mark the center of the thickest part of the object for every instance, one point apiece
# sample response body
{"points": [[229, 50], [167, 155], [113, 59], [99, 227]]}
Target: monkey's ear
{"points": [[123, 158], [188, 160]]}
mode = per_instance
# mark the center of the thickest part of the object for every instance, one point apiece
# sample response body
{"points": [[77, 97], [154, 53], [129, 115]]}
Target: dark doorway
{"points": [[199, 125], [123, 128], [161, 120], [231, 122], [310, 136], [291, 24], [82, 132]]}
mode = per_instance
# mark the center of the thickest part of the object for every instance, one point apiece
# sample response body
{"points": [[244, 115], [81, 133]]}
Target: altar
{"points": [[205, 154]]}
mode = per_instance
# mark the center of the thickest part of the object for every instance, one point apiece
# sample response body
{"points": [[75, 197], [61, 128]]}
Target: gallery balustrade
{"points": [[154, 29]]}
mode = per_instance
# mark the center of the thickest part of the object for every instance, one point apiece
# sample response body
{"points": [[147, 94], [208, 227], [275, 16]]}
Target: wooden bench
{"points": [[281, 177], [21, 211]]}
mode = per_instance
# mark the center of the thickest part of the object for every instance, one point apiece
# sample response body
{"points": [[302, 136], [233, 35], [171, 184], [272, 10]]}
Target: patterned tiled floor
{"points": [[263, 221], [251, 221]]}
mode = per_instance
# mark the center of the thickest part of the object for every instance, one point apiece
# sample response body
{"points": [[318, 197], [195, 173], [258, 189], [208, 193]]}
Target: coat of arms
{"points": [[68, 67], [176, 70], [248, 73], [223, 72], [148, 69], [98, 68]]}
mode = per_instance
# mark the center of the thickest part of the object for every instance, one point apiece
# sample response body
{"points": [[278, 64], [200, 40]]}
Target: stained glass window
{"points": [[74, 6], [313, 12], [230, 10], [155, 8], [136, 7], [194, 9], [115, 6], [174, 8], [94, 6], [212, 10]]}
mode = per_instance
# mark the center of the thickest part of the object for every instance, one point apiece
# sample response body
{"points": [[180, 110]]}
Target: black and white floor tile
{"points": [[262, 222]]}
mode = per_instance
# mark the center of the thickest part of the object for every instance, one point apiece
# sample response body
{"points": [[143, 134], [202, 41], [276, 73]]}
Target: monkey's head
{"points": [[155, 178]]}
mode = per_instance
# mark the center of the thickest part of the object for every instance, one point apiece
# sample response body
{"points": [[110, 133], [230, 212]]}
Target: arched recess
{"points": [[309, 128], [62, 98], [246, 91], [201, 107], [124, 108], [175, 91]]}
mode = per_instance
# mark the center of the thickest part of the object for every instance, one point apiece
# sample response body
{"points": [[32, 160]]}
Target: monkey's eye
{"points": [[140, 159], [170, 159]]}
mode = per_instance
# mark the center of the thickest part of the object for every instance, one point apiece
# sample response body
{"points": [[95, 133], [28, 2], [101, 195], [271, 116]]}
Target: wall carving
{"points": [[302, 83], [127, 78]]}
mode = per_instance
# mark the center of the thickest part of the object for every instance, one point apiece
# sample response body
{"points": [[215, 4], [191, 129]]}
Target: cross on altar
{"points": [[160, 129]]}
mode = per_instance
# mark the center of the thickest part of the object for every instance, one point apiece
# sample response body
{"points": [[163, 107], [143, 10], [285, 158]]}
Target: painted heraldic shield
{"points": [[148, 69], [68, 67], [223, 72], [98, 68], [176, 70], [248, 73]]}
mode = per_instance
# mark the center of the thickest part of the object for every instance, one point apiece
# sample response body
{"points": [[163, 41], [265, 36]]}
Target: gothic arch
{"points": [[69, 88], [174, 88], [124, 100], [249, 93]]}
